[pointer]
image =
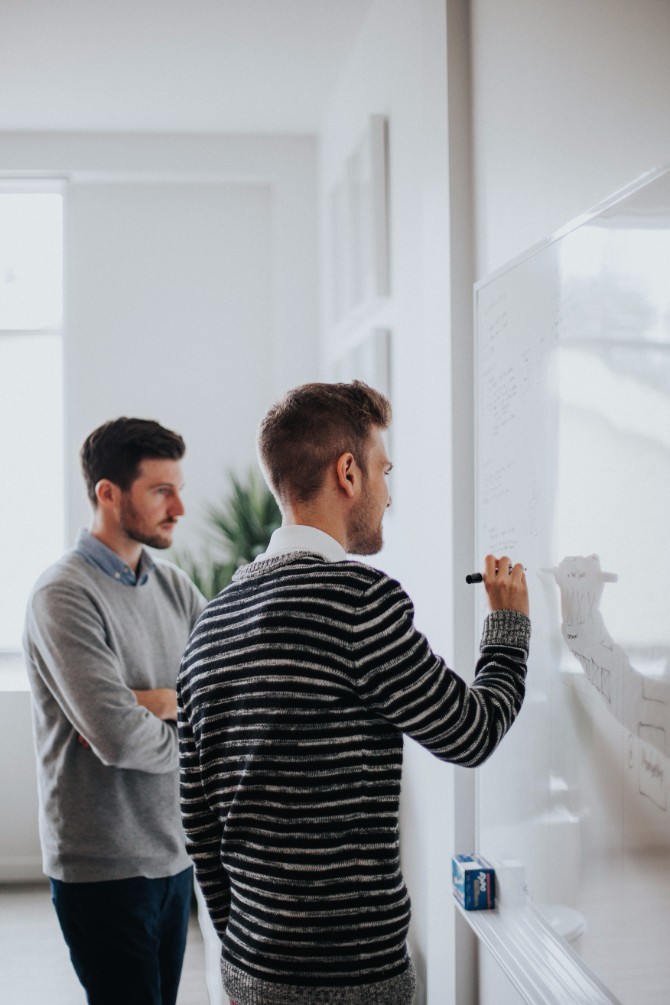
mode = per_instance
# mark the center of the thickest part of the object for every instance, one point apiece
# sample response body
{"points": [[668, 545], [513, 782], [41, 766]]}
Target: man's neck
{"points": [[310, 517], [129, 551]]}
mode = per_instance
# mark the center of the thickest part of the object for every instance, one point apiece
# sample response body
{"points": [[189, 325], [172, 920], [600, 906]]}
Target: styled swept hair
{"points": [[116, 449], [313, 425]]}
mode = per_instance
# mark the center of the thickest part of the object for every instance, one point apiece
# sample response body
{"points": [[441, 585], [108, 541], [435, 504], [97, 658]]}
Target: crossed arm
{"points": [[80, 675], [160, 701]]}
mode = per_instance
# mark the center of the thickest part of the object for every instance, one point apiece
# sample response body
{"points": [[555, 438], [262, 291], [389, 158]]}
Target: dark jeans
{"points": [[127, 936]]}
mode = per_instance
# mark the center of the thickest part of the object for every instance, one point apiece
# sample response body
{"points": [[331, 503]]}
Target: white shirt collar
{"points": [[301, 538]]}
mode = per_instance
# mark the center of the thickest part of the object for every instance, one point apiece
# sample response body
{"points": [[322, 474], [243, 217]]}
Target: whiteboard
{"points": [[573, 479]]}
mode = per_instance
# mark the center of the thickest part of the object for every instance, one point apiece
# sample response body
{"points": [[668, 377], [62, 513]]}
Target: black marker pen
{"points": [[477, 577]]}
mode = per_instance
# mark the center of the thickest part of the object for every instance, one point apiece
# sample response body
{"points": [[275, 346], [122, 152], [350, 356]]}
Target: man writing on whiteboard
{"points": [[298, 684]]}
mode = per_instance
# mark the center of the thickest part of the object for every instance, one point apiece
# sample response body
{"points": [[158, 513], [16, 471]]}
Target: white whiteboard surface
{"points": [[573, 480]]}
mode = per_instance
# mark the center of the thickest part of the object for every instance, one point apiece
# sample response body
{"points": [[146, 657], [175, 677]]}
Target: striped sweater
{"points": [[297, 686]]}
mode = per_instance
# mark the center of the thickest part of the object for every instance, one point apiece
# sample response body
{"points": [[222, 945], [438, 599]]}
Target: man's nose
{"points": [[177, 507]]}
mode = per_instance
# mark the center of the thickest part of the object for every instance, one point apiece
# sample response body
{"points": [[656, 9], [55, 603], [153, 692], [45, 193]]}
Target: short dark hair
{"points": [[116, 449], [313, 425]]}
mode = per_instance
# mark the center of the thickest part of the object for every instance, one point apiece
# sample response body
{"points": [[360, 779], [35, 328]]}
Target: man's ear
{"points": [[106, 492], [348, 473]]}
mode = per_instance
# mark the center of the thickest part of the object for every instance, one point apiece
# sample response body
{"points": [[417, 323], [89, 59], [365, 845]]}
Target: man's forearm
{"points": [[160, 701]]}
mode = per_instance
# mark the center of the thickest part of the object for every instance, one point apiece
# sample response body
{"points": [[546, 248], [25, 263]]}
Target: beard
{"points": [[364, 528], [132, 525]]}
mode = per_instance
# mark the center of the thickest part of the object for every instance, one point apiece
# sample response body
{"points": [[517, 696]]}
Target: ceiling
{"points": [[250, 66]]}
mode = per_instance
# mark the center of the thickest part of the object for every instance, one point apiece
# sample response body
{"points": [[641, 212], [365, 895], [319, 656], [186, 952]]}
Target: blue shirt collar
{"points": [[99, 555]]}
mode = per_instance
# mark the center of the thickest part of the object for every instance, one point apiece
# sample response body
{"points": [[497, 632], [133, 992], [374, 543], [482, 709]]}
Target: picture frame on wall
{"points": [[359, 225], [368, 360]]}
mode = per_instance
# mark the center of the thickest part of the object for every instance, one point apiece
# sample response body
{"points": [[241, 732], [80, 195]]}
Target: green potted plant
{"points": [[238, 530]]}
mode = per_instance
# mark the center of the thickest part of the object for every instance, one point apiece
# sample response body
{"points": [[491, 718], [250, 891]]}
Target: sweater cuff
{"points": [[506, 628]]}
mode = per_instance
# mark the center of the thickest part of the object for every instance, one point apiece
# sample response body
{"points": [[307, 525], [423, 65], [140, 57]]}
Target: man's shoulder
{"points": [[374, 583], [312, 570], [69, 584], [176, 580], [366, 575], [70, 570], [171, 573]]}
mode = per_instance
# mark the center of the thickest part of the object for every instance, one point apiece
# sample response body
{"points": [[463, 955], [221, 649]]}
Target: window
{"points": [[32, 504]]}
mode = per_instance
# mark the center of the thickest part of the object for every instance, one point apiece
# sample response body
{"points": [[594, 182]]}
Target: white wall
{"points": [[191, 298], [170, 317], [20, 855], [191, 287], [398, 69], [570, 103]]}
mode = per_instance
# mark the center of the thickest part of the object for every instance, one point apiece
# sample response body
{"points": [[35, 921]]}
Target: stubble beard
{"points": [[130, 525], [364, 535]]}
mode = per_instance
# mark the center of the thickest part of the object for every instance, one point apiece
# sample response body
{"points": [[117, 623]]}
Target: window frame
{"points": [[12, 672]]}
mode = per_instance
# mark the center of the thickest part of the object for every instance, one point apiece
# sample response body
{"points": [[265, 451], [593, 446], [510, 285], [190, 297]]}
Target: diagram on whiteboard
{"points": [[639, 703]]}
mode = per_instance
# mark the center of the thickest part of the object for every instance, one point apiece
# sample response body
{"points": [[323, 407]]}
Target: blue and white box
{"points": [[474, 882]]}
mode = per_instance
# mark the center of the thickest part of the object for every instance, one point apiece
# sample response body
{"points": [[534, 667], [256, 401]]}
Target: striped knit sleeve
{"points": [[201, 825], [405, 682]]}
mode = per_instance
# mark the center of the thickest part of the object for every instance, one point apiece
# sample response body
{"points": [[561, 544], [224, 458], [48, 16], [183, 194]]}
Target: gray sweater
{"points": [[111, 811]]}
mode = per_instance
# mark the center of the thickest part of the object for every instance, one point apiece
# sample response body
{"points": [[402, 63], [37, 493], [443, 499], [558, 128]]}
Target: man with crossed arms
{"points": [[105, 630]]}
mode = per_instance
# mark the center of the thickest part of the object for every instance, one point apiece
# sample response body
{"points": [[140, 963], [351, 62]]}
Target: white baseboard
{"points": [[21, 869]]}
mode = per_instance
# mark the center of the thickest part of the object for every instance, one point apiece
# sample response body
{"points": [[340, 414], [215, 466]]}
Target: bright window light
{"points": [[32, 504], [31, 260]]}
